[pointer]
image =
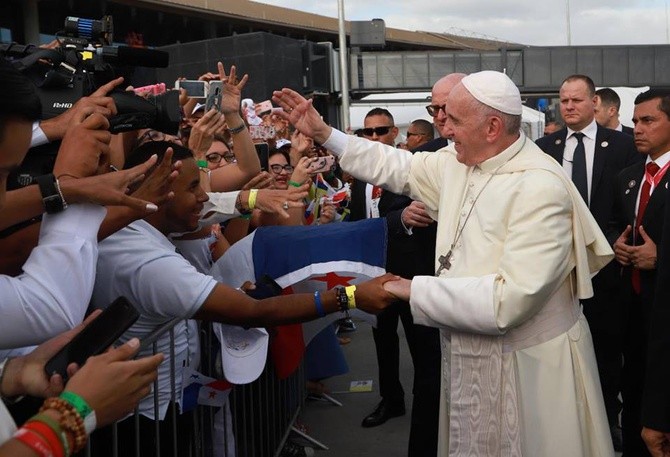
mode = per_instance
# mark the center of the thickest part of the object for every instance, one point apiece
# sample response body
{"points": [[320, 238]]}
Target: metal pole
{"points": [[567, 21], [344, 67]]}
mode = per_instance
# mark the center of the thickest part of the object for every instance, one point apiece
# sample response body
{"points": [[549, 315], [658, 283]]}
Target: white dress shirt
{"points": [[52, 294], [589, 141]]}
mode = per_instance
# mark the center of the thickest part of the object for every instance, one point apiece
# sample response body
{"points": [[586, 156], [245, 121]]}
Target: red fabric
{"points": [[652, 169], [287, 346]]}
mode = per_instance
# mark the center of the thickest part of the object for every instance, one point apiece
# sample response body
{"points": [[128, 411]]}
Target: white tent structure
{"points": [[409, 106]]}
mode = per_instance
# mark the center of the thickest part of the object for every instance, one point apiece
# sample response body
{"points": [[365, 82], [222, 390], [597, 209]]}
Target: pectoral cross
{"points": [[445, 262]]}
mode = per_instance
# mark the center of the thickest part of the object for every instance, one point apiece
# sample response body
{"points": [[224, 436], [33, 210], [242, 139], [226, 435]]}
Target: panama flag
{"points": [[303, 259], [198, 389]]}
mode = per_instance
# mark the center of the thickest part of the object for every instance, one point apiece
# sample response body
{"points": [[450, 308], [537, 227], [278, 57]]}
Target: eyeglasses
{"points": [[379, 131], [433, 110], [276, 168], [155, 135], [215, 157]]}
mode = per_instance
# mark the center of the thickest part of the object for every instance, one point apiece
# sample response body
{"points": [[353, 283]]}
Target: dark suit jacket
{"points": [[656, 399], [608, 161], [627, 187], [400, 248], [627, 130], [613, 152]]}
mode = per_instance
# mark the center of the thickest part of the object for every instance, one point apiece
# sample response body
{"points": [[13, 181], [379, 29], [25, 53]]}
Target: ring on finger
{"points": [[285, 205]]}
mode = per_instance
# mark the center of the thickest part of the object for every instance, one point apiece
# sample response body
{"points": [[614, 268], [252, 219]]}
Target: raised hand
{"points": [[232, 90], [202, 133], [279, 201], [300, 112]]}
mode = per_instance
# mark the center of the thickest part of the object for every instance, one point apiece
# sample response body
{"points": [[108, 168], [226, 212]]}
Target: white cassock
{"points": [[519, 372]]}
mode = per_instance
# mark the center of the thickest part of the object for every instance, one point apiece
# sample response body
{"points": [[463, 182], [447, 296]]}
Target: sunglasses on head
{"points": [[379, 131], [433, 110]]}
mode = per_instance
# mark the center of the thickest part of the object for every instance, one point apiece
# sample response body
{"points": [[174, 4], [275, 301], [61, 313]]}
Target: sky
{"points": [[529, 22]]}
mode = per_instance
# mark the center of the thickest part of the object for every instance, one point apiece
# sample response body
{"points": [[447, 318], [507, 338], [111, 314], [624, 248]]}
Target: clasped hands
{"points": [[642, 257]]}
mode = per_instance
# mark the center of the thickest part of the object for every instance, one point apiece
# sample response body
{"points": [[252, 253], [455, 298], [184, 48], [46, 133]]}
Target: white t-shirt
{"points": [[139, 263]]}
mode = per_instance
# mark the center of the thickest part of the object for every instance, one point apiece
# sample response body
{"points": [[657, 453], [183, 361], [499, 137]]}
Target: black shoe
{"points": [[384, 411], [617, 439]]}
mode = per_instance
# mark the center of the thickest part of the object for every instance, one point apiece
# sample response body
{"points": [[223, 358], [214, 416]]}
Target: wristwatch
{"points": [[52, 197]]}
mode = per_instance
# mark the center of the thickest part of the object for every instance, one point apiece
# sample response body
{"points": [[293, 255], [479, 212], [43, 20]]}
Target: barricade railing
{"points": [[262, 413]]}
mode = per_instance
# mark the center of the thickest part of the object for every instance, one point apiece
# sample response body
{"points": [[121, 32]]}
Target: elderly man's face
{"points": [[466, 127], [577, 106]]}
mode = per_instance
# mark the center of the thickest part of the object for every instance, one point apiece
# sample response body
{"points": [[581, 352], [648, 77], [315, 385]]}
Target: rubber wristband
{"points": [[351, 296], [85, 411], [201, 163], [34, 441], [55, 426], [53, 438], [318, 304], [251, 203], [294, 184]]}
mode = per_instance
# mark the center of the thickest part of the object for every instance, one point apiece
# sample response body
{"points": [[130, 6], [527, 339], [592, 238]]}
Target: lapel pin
{"points": [[666, 185], [631, 183], [558, 141], [627, 191], [604, 144]]}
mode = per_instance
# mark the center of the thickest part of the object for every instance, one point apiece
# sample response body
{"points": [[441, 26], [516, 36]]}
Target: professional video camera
{"points": [[85, 59]]}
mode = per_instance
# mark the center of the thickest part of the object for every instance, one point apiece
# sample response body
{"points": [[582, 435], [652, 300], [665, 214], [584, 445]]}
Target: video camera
{"points": [[85, 59]]}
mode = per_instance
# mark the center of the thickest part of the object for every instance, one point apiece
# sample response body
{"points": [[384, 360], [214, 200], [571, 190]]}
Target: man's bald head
{"points": [[439, 94]]}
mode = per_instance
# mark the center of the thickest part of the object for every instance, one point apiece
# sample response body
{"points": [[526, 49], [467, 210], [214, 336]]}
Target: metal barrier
{"points": [[263, 413]]}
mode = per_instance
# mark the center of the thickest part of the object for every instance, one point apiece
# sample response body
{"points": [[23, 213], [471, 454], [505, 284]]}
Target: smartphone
{"points": [[95, 338], [322, 164], [153, 89], [263, 108], [194, 89], [263, 151], [214, 96], [266, 287]]}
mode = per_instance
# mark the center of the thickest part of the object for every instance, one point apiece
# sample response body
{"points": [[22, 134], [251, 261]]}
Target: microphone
{"points": [[138, 57]]}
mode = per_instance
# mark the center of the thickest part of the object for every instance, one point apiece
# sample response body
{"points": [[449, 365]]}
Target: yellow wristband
{"points": [[351, 296], [251, 203]]}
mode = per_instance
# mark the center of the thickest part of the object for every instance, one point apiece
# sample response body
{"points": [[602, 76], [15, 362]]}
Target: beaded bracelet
{"points": [[342, 299], [70, 421], [318, 304], [238, 205]]}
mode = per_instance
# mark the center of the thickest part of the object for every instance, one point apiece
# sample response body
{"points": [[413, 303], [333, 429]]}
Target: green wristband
{"points": [[201, 163], [294, 184], [79, 403], [246, 216]]}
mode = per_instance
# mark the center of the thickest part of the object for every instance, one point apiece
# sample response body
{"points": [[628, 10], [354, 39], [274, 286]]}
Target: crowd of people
{"points": [[528, 276]]}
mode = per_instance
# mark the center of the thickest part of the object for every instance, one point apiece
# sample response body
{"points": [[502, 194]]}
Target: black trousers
{"points": [[424, 347], [634, 368]]}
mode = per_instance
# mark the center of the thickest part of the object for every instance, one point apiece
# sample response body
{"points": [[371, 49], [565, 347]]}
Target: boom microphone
{"points": [[139, 57]]}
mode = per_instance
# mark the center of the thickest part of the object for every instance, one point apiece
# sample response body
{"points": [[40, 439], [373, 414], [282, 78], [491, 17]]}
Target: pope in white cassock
{"points": [[516, 249]]}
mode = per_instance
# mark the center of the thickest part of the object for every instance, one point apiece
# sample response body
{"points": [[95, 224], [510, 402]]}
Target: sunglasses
{"points": [[278, 168], [433, 110], [215, 157], [410, 134], [379, 131]]}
